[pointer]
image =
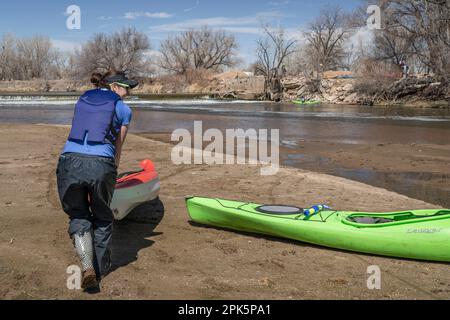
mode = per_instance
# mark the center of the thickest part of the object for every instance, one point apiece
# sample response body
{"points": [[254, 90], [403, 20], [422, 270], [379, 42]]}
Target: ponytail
{"points": [[98, 80]]}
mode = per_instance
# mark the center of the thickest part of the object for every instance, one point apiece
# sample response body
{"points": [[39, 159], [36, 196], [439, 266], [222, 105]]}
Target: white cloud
{"points": [[138, 14], [279, 3], [103, 18], [141, 14], [196, 23], [249, 30], [249, 24]]}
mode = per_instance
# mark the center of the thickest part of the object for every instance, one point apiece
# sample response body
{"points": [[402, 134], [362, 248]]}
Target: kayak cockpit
{"points": [[396, 218], [279, 210], [135, 178]]}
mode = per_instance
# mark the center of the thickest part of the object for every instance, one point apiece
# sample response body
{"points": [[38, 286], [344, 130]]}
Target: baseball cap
{"points": [[123, 81]]}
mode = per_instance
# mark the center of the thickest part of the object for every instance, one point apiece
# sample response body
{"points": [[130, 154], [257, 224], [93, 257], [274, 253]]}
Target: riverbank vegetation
{"points": [[406, 59]]}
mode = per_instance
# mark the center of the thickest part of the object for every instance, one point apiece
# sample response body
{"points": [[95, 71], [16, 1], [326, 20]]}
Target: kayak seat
{"points": [[369, 220]]}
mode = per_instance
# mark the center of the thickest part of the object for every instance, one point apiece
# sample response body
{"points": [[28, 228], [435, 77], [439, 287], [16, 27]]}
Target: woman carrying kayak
{"points": [[87, 171]]}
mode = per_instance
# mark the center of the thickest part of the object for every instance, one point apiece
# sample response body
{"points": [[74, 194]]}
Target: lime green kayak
{"points": [[308, 102], [420, 234]]}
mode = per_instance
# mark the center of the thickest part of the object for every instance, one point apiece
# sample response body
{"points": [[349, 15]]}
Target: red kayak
{"points": [[134, 189]]}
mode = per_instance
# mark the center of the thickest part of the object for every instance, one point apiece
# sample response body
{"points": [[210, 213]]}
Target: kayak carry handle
{"points": [[315, 210], [148, 165]]}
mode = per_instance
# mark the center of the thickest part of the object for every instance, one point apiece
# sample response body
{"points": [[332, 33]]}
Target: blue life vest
{"points": [[94, 114]]}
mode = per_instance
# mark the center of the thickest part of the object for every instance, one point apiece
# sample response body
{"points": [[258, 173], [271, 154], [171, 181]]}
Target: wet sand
{"points": [[178, 260], [420, 171]]}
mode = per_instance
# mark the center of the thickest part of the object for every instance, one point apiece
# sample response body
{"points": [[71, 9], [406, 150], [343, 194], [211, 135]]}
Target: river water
{"points": [[357, 125]]}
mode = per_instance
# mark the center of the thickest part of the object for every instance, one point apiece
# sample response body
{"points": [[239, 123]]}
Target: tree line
{"points": [[29, 58], [126, 50], [415, 32]]}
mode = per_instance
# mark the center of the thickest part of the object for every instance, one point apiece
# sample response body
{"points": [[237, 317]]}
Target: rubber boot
{"points": [[83, 244]]}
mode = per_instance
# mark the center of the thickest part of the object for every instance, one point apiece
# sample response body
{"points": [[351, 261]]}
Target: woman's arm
{"points": [[119, 144]]}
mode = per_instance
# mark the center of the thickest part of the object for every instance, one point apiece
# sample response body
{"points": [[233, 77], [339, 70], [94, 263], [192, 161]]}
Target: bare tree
{"points": [[393, 46], [60, 66], [326, 37], [8, 58], [416, 32], [28, 58], [36, 58], [121, 51], [176, 54], [426, 25], [205, 49], [273, 49], [35, 55]]}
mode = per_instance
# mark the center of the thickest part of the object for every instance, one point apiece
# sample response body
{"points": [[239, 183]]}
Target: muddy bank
{"points": [[177, 260], [350, 88]]}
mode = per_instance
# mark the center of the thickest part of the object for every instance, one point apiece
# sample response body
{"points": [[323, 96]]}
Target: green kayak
{"points": [[307, 102], [420, 234]]}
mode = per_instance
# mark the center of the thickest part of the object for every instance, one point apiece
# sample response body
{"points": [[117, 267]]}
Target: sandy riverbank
{"points": [[178, 260]]}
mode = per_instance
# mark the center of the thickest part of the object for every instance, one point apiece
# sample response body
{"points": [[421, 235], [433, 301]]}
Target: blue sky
{"points": [[160, 18]]}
